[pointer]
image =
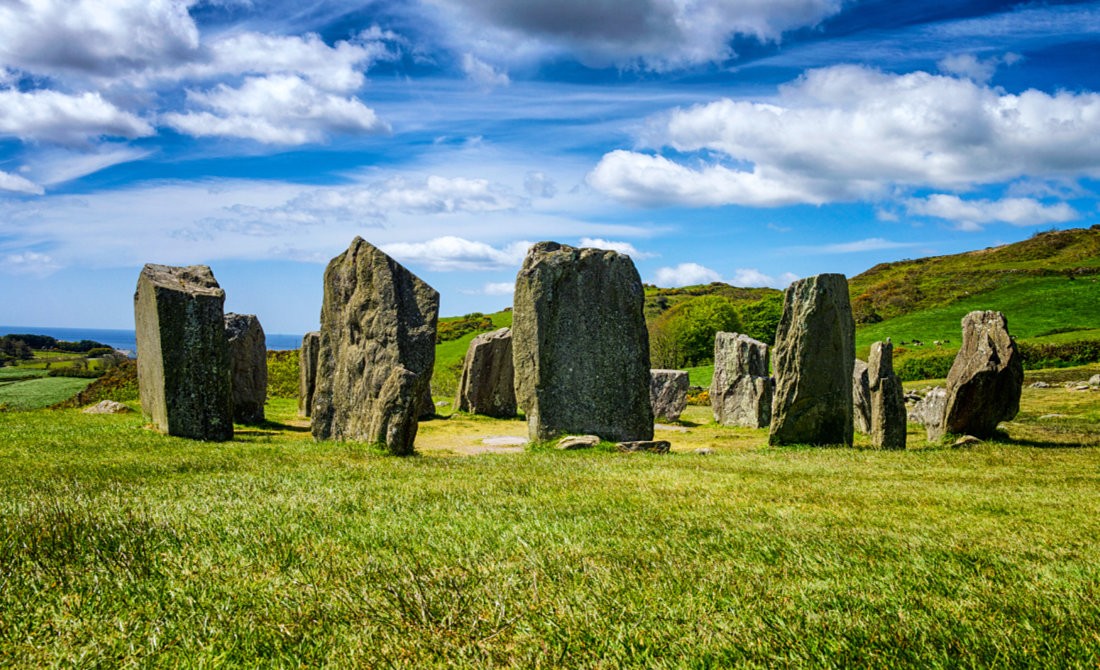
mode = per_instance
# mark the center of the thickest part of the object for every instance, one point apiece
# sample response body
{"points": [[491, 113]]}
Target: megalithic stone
{"points": [[741, 390], [183, 355], [580, 344], [488, 379], [861, 398], [378, 328], [247, 365], [888, 414], [814, 359], [307, 372], [668, 393]]}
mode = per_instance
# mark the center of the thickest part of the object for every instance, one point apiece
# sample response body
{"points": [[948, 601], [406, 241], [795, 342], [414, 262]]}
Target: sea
{"points": [[126, 340]]}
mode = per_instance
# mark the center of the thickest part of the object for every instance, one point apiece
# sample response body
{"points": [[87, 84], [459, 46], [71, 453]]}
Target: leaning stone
{"points": [[861, 398], [741, 390], [307, 372], [580, 344], [668, 393], [487, 386], [570, 442], [374, 368], [986, 379], [652, 446], [248, 365], [888, 417], [814, 359], [183, 356], [107, 407]]}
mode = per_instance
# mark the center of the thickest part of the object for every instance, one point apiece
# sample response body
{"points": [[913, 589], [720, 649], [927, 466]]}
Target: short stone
{"points": [[741, 391], [1047, 417], [307, 372], [1039, 385], [986, 379], [1094, 380], [861, 398], [651, 446], [248, 365], [571, 442], [965, 441], [107, 407], [703, 451], [487, 385], [668, 393]]}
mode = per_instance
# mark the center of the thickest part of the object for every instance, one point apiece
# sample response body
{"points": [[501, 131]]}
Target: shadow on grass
{"points": [[268, 428]]}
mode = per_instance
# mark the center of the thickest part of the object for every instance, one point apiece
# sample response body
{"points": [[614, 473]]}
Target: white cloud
{"points": [[972, 214], [499, 288], [848, 133], [15, 183], [65, 119], [29, 262], [277, 109], [686, 274], [621, 247], [481, 73], [751, 277], [859, 246], [456, 253], [539, 185]]}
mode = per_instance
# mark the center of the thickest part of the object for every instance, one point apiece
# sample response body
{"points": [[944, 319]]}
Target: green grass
{"points": [[41, 391], [122, 547]]}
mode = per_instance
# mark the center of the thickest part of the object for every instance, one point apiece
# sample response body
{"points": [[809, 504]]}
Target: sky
{"points": [[746, 141]]}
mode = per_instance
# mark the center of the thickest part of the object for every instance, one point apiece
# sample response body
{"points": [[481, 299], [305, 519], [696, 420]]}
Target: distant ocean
{"points": [[126, 340]]}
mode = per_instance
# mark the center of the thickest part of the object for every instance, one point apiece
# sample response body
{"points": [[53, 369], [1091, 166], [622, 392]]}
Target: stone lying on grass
{"points": [[570, 442], [652, 446], [107, 407]]}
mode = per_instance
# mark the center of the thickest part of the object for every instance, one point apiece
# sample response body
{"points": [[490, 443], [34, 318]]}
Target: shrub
{"points": [[1060, 355], [701, 397], [453, 329], [928, 366], [760, 319], [119, 383], [282, 374]]}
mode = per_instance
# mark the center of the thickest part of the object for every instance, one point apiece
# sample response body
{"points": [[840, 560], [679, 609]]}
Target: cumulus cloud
{"points": [[621, 247], [279, 109], [972, 67], [66, 119], [686, 274], [16, 184], [499, 288], [972, 214], [539, 185], [29, 262], [652, 34], [481, 73], [456, 253], [848, 133]]}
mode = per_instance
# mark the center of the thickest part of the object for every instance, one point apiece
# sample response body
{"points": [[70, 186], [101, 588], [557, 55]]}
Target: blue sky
{"points": [[749, 141]]}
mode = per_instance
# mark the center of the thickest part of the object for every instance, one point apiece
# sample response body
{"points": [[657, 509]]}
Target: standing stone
{"points": [[183, 356], [580, 345], [888, 416], [814, 359], [861, 398], [668, 393], [488, 380], [928, 412], [378, 326], [307, 372], [741, 390], [247, 366], [986, 379]]}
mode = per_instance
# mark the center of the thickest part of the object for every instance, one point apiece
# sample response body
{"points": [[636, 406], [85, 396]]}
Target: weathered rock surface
{"points": [[247, 365], [668, 393], [888, 415], [652, 446], [570, 442], [741, 390], [986, 379], [861, 398], [107, 407], [1094, 380], [307, 372], [183, 356], [814, 359], [580, 344], [928, 412], [487, 385], [378, 326]]}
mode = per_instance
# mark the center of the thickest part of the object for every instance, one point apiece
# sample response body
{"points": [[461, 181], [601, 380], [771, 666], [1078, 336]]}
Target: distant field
{"points": [[40, 392]]}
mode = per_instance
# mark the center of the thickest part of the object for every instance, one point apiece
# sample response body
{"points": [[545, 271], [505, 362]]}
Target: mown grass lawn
{"points": [[119, 547], [39, 391]]}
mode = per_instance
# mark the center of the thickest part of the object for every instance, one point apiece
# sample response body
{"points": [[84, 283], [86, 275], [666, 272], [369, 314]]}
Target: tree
{"points": [[760, 319], [684, 335]]}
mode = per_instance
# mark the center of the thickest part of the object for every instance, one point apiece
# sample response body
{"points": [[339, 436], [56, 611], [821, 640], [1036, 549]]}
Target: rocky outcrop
{"points": [[814, 359], [378, 326], [247, 366], [888, 415], [861, 398], [741, 389], [986, 379], [487, 385], [580, 344], [107, 407], [307, 372], [183, 356], [668, 393]]}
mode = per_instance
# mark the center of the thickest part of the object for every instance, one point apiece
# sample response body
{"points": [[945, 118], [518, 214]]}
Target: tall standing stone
{"points": [[487, 385], [888, 415], [307, 372], [247, 365], [580, 344], [741, 389], [814, 359], [986, 379], [378, 326], [861, 398], [183, 356], [668, 393]]}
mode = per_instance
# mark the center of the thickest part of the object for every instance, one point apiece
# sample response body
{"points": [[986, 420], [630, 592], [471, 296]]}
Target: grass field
{"points": [[122, 547], [39, 391]]}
